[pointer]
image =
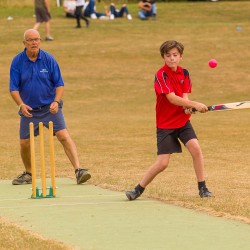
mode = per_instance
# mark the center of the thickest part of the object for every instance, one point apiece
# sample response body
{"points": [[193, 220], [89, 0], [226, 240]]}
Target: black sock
{"points": [[139, 189], [201, 184]]}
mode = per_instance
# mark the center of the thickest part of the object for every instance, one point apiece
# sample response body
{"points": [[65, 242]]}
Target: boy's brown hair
{"points": [[168, 45]]}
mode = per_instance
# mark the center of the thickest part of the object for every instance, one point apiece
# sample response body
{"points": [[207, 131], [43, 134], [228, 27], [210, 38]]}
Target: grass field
{"points": [[109, 101]]}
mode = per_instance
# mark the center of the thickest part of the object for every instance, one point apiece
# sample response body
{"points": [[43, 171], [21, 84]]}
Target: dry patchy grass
{"points": [[15, 237]]}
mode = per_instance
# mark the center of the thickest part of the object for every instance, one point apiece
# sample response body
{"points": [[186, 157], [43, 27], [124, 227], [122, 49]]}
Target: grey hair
{"points": [[28, 31]]}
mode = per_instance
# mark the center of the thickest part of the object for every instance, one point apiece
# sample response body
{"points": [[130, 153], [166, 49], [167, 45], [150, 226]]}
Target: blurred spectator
{"points": [[147, 9], [89, 10], [79, 13], [117, 13], [69, 7], [42, 12]]}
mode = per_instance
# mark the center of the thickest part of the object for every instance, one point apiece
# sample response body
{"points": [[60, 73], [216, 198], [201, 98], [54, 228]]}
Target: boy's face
{"points": [[172, 58]]}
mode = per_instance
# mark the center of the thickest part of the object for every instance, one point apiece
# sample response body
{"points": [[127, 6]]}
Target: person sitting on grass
{"points": [[89, 10], [147, 9], [173, 111], [118, 13]]}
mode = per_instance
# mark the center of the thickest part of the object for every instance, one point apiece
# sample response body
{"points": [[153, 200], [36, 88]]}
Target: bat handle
{"points": [[209, 109]]}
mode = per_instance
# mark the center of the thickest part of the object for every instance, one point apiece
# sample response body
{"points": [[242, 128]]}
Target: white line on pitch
{"points": [[76, 204], [77, 196]]}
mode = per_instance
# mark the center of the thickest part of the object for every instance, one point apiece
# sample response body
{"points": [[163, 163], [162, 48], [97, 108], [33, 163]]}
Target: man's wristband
{"points": [[20, 105], [57, 102]]}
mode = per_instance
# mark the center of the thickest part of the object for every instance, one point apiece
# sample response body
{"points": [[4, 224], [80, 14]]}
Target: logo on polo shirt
{"points": [[181, 81], [44, 71]]}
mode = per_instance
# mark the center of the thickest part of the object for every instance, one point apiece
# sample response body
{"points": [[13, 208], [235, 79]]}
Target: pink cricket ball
{"points": [[212, 63]]}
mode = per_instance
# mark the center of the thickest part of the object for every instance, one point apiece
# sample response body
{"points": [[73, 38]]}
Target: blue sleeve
{"points": [[14, 75], [57, 76]]}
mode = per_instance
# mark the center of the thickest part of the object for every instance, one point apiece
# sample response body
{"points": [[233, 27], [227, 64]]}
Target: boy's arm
{"points": [[185, 102], [187, 111]]}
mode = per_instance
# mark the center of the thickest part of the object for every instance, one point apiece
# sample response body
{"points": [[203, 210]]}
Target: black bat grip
{"points": [[194, 109]]}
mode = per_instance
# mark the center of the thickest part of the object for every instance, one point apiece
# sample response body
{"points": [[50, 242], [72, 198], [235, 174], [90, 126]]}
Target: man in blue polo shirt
{"points": [[37, 87]]}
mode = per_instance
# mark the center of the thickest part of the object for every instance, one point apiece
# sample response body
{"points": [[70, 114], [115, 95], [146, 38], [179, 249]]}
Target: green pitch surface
{"points": [[88, 217]]}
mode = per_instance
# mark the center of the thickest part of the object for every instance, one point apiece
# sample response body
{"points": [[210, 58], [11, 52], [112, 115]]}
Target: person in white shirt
{"points": [[69, 7], [79, 13]]}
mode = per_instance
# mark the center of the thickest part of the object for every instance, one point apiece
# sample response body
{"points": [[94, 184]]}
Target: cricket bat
{"points": [[228, 106]]}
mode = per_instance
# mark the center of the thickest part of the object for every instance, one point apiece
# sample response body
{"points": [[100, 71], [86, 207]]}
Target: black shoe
{"points": [[78, 26], [204, 192], [82, 175], [133, 194]]}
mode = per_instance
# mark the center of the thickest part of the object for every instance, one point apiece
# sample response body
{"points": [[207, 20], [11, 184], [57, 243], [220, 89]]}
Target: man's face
{"points": [[172, 58], [32, 42]]}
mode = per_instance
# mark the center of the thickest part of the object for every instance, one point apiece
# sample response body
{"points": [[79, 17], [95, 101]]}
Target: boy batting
{"points": [[173, 111]]}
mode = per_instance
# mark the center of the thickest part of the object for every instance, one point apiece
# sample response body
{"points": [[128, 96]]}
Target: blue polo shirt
{"points": [[36, 81]]}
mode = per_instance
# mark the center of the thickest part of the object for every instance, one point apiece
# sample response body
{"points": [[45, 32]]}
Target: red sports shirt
{"points": [[169, 116]]}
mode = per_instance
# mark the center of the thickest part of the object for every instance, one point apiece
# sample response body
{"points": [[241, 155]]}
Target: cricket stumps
{"points": [[44, 191]]}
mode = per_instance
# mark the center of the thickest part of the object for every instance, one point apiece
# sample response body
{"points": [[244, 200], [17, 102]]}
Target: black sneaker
{"points": [[133, 194], [204, 192], [78, 26], [24, 178], [82, 175]]}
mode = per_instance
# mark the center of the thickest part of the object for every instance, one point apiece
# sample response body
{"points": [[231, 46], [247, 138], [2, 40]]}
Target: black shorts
{"points": [[168, 140]]}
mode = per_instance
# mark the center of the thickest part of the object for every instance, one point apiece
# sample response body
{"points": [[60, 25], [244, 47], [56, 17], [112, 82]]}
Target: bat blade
{"points": [[228, 106]]}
